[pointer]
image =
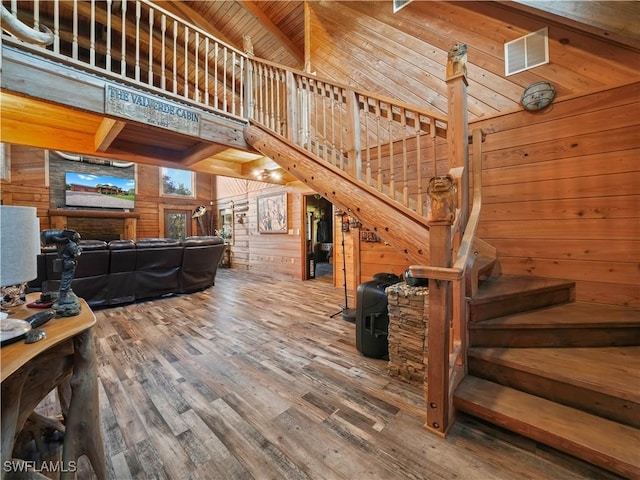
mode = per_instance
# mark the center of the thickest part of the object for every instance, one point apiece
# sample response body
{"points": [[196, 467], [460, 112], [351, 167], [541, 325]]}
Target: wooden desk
{"points": [[30, 372]]}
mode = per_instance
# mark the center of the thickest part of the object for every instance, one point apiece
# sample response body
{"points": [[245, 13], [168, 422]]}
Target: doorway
{"points": [[319, 237]]}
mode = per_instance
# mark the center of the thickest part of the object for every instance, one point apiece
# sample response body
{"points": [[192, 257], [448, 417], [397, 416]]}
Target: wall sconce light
{"points": [[538, 96], [241, 218]]}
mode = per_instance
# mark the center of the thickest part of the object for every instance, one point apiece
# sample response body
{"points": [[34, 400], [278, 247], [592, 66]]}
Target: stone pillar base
{"points": [[408, 307]]}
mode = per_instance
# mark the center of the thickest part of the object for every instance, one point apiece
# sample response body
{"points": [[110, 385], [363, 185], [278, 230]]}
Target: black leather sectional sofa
{"points": [[124, 271]]}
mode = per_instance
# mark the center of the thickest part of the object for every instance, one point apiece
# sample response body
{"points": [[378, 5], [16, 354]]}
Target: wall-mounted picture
{"points": [[272, 213], [175, 182]]}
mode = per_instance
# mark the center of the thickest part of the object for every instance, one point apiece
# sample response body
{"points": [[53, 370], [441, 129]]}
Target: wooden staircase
{"points": [[564, 373]]}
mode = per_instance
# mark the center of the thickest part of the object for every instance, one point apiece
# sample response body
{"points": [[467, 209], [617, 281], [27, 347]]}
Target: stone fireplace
{"points": [[96, 225]]}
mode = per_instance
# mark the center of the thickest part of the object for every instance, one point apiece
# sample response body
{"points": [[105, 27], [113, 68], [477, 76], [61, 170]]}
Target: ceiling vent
{"points": [[526, 52]]}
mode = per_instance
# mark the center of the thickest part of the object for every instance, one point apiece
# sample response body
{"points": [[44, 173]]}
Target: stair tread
{"points": [[593, 438], [613, 371], [505, 286], [568, 315]]}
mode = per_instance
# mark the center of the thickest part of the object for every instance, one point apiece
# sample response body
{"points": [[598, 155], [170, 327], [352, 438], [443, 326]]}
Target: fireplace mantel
{"points": [[58, 219]]}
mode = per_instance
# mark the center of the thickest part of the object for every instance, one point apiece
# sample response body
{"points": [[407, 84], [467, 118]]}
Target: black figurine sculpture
{"points": [[66, 242]]}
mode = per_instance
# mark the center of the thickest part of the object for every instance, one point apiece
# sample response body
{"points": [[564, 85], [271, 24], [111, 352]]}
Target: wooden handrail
{"points": [[368, 93], [465, 255], [374, 139]]}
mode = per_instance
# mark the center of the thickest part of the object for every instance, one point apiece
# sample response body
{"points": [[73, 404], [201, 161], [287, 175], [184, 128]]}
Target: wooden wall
{"points": [[280, 254], [150, 205], [29, 185], [561, 186], [403, 55], [272, 253], [561, 191]]}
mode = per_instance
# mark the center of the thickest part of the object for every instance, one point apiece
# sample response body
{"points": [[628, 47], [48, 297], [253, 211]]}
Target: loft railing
{"points": [[391, 146], [142, 44]]}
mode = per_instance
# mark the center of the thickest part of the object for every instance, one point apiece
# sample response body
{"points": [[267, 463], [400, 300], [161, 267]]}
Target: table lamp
{"points": [[19, 249]]}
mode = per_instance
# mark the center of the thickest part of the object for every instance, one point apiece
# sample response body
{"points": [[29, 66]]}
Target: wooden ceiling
{"points": [[403, 55], [277, 28]]}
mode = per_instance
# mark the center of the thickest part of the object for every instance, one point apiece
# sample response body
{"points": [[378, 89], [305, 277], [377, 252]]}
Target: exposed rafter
{"points": [[184, 11], [273, 29]]}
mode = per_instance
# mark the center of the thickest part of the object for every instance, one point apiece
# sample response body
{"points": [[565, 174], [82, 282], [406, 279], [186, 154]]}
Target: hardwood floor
{"points": [[252, 379]]}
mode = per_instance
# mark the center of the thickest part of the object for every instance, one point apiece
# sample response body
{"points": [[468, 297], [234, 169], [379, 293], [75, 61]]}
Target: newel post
{"points": [[443, 194], [457, 128], [445, 197]]}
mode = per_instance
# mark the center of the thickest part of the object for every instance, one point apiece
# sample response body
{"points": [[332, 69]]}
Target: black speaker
{"points": [[372, 318]]}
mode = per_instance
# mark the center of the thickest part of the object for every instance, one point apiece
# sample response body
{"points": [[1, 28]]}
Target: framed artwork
{"points": [[272, 213]]}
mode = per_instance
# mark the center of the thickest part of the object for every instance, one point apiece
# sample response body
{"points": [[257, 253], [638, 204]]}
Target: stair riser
{"points": [[549, 438], [523, 302], [616, 409], [553, 337]]}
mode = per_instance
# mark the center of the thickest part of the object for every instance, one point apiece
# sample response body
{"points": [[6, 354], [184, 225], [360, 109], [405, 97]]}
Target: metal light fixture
{"points": [[267, 175], [538, 96]]}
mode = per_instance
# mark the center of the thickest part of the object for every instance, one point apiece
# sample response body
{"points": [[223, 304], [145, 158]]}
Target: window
{"points": [[526, 52], [176, 183]]}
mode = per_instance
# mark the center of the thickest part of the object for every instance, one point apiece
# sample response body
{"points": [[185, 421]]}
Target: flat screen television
{"points": [[87, 190]]}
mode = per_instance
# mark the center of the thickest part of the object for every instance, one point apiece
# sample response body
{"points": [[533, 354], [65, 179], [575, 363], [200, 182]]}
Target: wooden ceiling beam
{"points": [[273, 29], [108, 131], [259, 164], [218, 167], [200, 152]]}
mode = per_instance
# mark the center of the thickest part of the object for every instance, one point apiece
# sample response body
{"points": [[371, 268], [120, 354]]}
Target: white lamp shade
{"points": [[19, 244]]}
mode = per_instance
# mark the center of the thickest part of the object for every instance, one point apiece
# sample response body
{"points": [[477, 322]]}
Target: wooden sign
{"points": [[133, 105]]}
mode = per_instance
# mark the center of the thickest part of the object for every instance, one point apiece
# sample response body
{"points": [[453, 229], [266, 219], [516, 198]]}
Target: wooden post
{"points": [[130, 228], [437, 360], [84, 411], [444, 200], [457, 129]]}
